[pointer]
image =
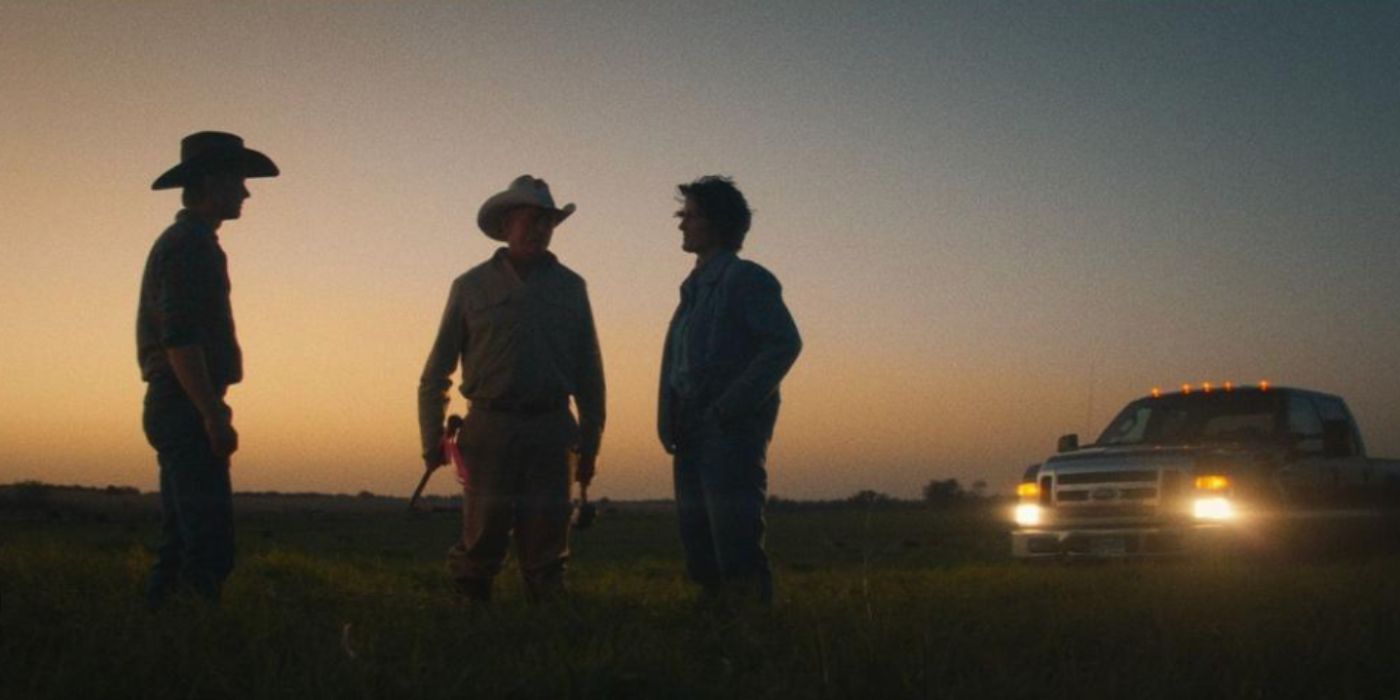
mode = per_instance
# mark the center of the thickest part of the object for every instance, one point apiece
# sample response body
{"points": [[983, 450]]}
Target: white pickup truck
{"points": [[1178, 472]]}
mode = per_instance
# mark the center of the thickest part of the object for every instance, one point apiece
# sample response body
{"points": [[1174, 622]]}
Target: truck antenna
{"points": [[1089, 403]]}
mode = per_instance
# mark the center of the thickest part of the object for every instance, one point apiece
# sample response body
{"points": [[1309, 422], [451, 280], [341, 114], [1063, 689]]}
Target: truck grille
{"points": [[1107, 494], [1112, 495], [1120, 512], [1140, 475]]}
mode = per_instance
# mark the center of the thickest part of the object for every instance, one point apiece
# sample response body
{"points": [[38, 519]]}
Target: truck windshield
{"points": [[1191, 418]]}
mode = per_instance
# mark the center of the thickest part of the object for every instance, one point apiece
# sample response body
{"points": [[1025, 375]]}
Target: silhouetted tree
{"points": [[944, 492], [870, 498]]}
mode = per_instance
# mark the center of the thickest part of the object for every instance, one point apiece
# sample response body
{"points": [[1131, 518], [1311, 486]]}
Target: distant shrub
{"points": [[940, 493], [31, 495], [870, 498]]}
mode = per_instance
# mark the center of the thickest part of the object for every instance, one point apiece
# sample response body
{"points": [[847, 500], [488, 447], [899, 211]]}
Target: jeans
{"points": [[721, 488], [196, 501]]}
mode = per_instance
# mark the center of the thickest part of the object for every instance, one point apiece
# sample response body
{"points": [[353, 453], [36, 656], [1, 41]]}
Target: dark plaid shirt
{"points": [[185, 301]]}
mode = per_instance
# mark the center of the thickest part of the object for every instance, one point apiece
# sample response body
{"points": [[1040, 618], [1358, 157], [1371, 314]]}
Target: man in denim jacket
{"points": [[730, 343]]}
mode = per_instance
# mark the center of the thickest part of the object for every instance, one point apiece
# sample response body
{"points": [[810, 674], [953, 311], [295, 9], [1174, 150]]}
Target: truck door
{"points": [[1308, 475], [1347, 453]]}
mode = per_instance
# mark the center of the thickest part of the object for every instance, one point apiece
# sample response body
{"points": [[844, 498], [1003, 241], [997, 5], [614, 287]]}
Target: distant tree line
{"points": [[37, 494], [936, 494]]}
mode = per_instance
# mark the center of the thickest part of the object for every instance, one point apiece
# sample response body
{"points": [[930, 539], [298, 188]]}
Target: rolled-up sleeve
{"points": [[591, 392], [184, 294], [436, 380]]}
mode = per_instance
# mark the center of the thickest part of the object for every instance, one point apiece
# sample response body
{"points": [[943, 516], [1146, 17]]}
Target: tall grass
{"points": [[912, 606]]}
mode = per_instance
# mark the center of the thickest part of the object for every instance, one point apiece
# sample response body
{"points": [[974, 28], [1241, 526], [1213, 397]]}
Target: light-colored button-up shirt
{"points": [[521, 341]]}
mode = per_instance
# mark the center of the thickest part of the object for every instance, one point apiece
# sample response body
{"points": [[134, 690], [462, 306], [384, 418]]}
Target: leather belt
{"points": [[528, 408]]}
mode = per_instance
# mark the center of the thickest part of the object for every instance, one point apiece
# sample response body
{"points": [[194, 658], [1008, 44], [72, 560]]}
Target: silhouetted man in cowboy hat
{"points": [[189, 356], [521, 329]]}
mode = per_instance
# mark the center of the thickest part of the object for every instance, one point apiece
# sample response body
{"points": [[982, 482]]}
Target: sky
{"points": [[994, 223]]}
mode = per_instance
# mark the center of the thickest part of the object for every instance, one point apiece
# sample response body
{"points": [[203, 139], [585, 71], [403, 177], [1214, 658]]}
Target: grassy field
{"points": [[348, 598]]}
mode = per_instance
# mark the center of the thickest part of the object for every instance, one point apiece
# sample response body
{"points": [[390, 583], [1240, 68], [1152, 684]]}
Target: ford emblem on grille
{"points": [[1103, 494]]}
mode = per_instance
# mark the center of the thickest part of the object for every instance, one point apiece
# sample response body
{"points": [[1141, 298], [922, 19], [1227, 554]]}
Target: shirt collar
{"points": [[502, 264], [710, 272], [187, 219]]}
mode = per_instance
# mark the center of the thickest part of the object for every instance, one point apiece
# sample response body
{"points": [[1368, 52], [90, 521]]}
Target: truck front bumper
{"points": [[1106, 543]]}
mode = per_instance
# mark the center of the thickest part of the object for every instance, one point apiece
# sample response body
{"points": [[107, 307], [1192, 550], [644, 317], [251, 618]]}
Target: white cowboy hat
{"points": [[524, 191]]}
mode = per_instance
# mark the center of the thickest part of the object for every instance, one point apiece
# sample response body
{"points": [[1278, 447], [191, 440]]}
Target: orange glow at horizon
{"points": [[962, 300]]}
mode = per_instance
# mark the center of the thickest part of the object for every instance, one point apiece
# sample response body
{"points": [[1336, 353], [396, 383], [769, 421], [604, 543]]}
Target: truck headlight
{"points": [[1213, 508], [1027, 514]]}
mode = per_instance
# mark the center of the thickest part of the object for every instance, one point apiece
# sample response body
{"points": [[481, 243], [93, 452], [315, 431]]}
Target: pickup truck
{"points": [[1204, 468]]}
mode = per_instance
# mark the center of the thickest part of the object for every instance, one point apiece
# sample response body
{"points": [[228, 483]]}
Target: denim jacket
{"points": [[740, 341]]}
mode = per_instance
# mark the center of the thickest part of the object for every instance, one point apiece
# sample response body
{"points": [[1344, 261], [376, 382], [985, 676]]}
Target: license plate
{"points": [[1108, 546]]}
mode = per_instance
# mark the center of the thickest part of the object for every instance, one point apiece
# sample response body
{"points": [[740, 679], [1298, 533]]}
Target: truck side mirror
{"points": [[1068, 443], [1336, 439]]}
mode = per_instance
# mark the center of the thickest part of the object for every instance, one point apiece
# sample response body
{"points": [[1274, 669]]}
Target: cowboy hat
{"points": [[213, 151], [524, 191]]}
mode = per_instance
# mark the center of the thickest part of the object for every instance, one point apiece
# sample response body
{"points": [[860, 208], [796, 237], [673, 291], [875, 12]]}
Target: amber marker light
{"points": [[1212, 482], [1263, 385], [1206, 386], [1185, 388], [1156, 392], [1228, 386], [1029, 491]]}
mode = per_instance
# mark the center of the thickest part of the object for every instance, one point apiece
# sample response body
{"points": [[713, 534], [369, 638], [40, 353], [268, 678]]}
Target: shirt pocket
{"points": [[562, 320], [492, 325]]}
